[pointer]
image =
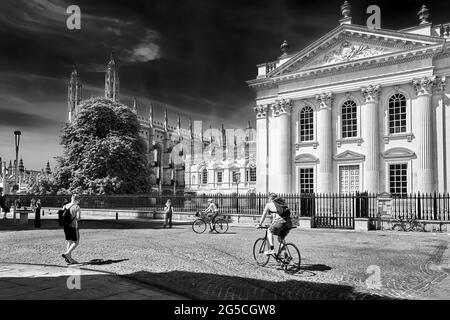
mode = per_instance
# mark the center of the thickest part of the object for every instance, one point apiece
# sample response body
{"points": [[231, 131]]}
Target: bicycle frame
{"points": [[280, 244]]}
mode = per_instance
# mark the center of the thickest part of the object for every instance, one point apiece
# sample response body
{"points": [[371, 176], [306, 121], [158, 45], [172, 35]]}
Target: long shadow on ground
{"points": [[198, 286]]}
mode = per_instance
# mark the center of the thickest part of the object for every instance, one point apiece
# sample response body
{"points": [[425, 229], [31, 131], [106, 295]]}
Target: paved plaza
{"points": [[136, 259]]}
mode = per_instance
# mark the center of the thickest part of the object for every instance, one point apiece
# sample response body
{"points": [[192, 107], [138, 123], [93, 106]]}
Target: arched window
{"points": [[397, 113], [306, 126], [205, 176], [349, 120]]}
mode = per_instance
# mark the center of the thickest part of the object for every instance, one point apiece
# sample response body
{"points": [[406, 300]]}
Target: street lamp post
{"points": [[238, 180], [17, 135]]}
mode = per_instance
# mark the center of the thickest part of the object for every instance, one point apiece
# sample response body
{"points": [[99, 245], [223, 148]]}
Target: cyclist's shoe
{"points": [[269, 252]]}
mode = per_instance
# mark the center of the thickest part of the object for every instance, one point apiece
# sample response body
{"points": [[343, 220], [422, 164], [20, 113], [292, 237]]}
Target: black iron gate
{"points": [[335, 211]]}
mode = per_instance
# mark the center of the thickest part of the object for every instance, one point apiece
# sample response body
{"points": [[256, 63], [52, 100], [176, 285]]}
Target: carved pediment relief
{"points": [[352, 43], [341, 52], [349, 156], [396, 153], [347, 52], [306, 158]]}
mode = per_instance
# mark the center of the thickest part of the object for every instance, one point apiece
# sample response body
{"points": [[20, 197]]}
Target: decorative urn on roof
{"points": [[424, 14], [346, 9], [285, 47]]}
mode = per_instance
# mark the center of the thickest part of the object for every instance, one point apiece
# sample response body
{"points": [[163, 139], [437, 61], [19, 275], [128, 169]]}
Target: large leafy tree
{"points": [[103, 152]]}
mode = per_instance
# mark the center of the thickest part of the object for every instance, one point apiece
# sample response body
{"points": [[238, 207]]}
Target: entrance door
{"points": [[348, 179]]}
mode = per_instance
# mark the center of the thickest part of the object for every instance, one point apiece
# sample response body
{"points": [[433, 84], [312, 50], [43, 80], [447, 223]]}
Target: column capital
{"points": [[261, 111], [440, 84], [371, 93], [425, 85], [325, 100], [281, 107]]}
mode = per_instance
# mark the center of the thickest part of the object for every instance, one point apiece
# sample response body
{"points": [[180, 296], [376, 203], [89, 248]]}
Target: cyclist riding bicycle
{"points": [[212, 212], [281, 222]]}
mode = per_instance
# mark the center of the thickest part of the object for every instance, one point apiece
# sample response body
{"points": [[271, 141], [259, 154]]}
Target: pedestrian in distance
{"points": [[37, 214], [3, 208], [6, 208], [71, 230], [168, 211]]}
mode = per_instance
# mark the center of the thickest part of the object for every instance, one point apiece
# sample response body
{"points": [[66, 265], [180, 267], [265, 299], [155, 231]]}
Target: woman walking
{"points": [[37, 214], [168, 210]]}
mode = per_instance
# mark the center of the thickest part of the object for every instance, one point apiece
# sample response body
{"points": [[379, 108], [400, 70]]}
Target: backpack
{"points": [[282, 209], [65, 217]]}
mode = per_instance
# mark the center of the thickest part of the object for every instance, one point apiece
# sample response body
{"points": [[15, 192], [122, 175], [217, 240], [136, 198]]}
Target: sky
{"points": [[190, 56]]}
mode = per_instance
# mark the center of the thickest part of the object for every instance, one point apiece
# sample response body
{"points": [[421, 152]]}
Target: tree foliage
{"points": [[103, 152]]}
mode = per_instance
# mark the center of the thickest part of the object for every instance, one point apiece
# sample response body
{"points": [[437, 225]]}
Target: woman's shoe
{"points": [[66, 258]]}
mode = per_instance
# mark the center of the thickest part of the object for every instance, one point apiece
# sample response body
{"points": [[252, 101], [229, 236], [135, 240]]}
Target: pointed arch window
{"points": [[397, 113], [349, 119], [306, 124]]}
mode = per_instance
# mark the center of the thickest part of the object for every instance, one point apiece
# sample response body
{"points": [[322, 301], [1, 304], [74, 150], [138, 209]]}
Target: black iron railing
{"points": [[341, 208]]}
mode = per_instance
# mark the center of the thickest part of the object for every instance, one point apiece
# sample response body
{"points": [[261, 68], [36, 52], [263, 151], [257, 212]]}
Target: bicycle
{"points": [[288, 255], [408, 225], [199, 225]]}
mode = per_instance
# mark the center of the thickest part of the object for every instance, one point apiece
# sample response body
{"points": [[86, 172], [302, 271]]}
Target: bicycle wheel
{"points": [[418, 226], [397, 227], [290, 258], [259, 248], [408, 226], [199, 226], [221, 226]]}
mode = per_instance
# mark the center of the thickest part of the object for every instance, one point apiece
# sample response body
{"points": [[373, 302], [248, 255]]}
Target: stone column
{"points": [[280, 152], [438, 108], [262, 143], [324, 137], [424, 133], [370, 136]]}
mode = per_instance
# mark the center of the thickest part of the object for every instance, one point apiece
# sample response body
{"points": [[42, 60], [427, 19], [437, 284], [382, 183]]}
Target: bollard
{"points": [[117, 216]]}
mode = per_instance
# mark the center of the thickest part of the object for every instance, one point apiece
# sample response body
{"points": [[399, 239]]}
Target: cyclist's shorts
{"points": [[281, 227]]}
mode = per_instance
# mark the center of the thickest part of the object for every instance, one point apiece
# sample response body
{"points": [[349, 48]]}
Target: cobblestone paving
{"points": [[211, 266]]}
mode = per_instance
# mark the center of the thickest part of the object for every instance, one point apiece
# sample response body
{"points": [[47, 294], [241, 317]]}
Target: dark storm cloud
{"points": [[19, 119]]}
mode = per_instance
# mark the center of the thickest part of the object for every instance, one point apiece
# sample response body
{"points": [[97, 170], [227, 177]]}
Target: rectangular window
{"points": [[219, 177], [306, 180], [398, 179], [250, 175]]}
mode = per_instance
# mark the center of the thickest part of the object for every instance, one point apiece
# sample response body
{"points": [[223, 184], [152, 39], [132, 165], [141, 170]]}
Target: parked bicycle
{"points": [[408, 225], [199, 225], [288, 255]]}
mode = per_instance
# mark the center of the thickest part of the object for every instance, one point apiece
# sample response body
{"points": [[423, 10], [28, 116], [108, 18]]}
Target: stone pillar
{"points": [[424, 134], [370, 136], [438, 108], [262, 144], [324, 137], [280, 152]]}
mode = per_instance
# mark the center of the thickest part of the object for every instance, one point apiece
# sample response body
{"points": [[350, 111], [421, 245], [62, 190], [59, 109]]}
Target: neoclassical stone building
{"points": [[360, 109]]}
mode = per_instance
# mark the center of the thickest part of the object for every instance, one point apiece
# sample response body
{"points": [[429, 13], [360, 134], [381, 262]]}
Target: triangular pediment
{"points": [[349, 44], [349, 155]]}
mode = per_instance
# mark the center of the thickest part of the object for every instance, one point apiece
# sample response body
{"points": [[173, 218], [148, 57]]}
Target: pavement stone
{"points": [[22, 283], [212, 266]]}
